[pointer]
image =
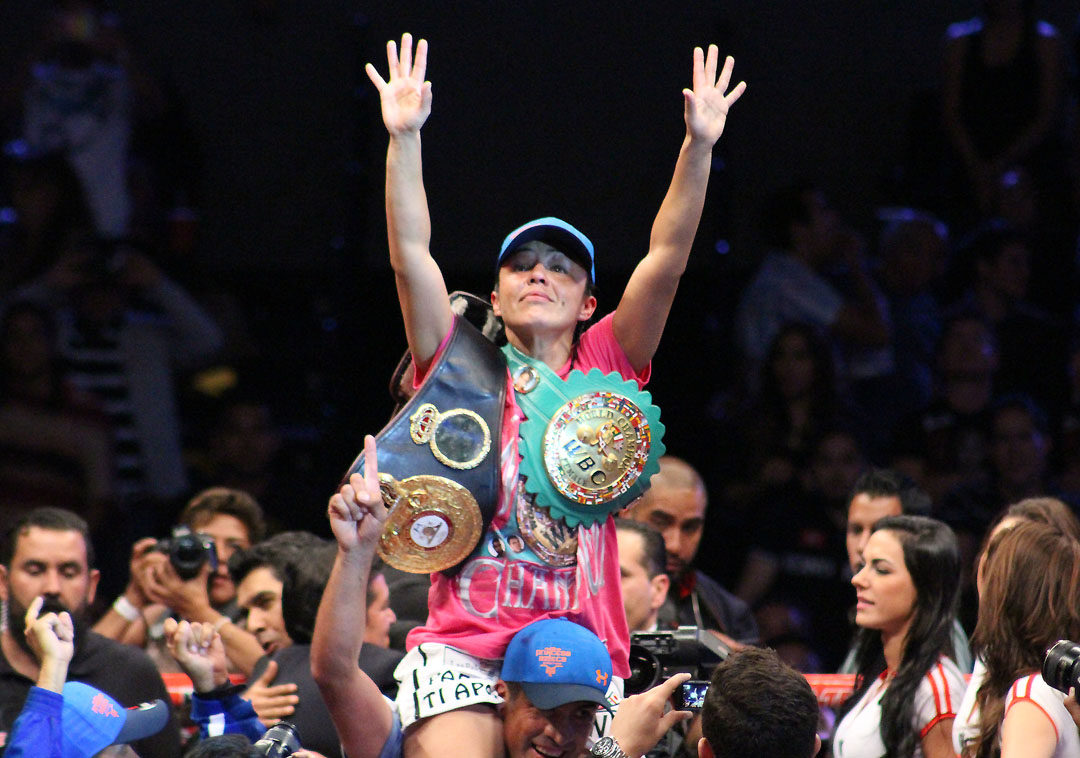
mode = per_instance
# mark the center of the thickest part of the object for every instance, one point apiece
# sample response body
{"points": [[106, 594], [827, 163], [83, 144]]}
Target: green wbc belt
{"points": [[590, 443]]}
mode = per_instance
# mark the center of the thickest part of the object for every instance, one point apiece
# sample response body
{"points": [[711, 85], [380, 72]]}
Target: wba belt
{"points": [[437, 469]]}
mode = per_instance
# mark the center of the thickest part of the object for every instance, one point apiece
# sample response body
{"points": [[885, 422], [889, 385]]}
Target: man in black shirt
{"points": [[49, 554]]}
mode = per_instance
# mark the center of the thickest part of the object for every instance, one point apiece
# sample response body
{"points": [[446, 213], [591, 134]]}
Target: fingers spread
{"points": [[710, 65], [374, 76], [420, 67], [405, 68], [699, 69]]}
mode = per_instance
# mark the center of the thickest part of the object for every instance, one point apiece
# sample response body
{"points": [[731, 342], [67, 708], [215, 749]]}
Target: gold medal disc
{"points": [[434, 523]]}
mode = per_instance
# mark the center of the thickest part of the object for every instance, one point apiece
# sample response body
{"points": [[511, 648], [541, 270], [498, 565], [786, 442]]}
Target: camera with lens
{"points": [[655, 656], [188, 551], [1061, 667], [280, 741]]}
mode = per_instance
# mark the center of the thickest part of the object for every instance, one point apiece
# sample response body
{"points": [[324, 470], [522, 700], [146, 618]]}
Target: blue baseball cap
{"points": [[557, 233], [92, 721], [556, 662]]}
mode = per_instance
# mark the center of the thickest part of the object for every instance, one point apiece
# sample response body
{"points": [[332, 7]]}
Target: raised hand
{"points": [[199, 651], [357, 512], [406, 98], [705, 107], [52, 636]]}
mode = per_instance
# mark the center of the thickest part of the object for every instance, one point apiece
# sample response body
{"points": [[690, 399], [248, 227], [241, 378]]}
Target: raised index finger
{"points": [[371, 465], [34, 609]]}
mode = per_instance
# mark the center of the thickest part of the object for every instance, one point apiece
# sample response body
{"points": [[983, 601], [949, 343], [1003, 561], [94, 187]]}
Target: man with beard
{"points": [[675, 506], [48, 553]]}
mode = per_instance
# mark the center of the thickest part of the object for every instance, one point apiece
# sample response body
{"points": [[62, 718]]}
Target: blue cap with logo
{"points": [[92, 721], [556, 662], [557, 233]]}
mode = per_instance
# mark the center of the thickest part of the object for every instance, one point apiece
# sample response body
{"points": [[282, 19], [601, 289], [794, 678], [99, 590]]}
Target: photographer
{"points": [[155, 588]]}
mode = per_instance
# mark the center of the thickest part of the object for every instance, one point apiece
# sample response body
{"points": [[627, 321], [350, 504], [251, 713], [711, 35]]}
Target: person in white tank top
{"points": [[906, 591], [1028, 580]]}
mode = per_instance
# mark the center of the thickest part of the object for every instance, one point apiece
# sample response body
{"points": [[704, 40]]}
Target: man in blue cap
{"points": [[553, 677]]}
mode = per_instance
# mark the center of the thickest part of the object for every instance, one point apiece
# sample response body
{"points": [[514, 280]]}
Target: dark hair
{"points": [[223, 746], [43, 315], [759, 706], [302, 588], [1031, 579], [781, 210], [53, 519], [932, 558], [1019, 401], [274, 553], [885, 482], [653, 553], [221, 500]]}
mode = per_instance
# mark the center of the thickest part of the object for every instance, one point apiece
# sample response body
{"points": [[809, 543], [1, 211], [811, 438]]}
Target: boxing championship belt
{"points": [[590, 443], [439, 457]]}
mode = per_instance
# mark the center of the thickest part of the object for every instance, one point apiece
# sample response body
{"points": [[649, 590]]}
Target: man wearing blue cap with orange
{"points": [[547, 546], [543, 695]]}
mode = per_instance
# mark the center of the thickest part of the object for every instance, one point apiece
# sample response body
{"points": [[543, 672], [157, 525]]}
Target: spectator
{"points": [[878, 494], [55, 445], [644, 579], [907, 603], [758, 706], [1041, 510], [675, 506], [155, 590], [1019, 453], [124, 328], [71, 720], [49, 553], [946, 443], [279, 585], [1004, 54], [50, 208], [774, 438], [1027, 569], [1028, 340], [914, 251], [805, 238], [796, 571]]}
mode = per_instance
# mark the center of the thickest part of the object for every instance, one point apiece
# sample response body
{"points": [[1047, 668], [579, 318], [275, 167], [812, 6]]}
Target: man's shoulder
{"points": [[706, 585]]}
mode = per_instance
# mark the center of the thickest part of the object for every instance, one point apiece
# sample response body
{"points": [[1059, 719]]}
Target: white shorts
{"points": [[434, 678]]}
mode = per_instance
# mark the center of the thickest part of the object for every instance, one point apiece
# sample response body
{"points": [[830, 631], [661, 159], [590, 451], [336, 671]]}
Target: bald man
{"points": [[675, 505]]}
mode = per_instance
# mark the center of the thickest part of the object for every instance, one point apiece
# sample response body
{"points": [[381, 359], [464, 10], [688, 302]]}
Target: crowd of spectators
{"points": [[923, 362]]}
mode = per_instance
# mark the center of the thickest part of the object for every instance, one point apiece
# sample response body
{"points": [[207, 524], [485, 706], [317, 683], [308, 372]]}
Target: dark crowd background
{"points": [[252, 180]]}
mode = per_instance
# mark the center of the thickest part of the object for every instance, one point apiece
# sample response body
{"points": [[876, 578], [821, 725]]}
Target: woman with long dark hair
{"points": [[906, 593], [1029, 584]]}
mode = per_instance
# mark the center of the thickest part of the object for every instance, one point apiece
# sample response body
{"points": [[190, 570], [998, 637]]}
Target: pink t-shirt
{"points": [[504, 585]]}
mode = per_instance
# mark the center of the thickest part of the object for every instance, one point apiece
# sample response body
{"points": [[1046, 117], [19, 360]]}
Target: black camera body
{"points": [[280, 741], [655, 656], [1061, 666], [188, 551]]}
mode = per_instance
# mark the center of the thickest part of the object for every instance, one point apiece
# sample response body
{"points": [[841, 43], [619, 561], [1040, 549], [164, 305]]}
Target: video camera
{"points": [[1061, 667], [655, 656], [188, 551]]}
